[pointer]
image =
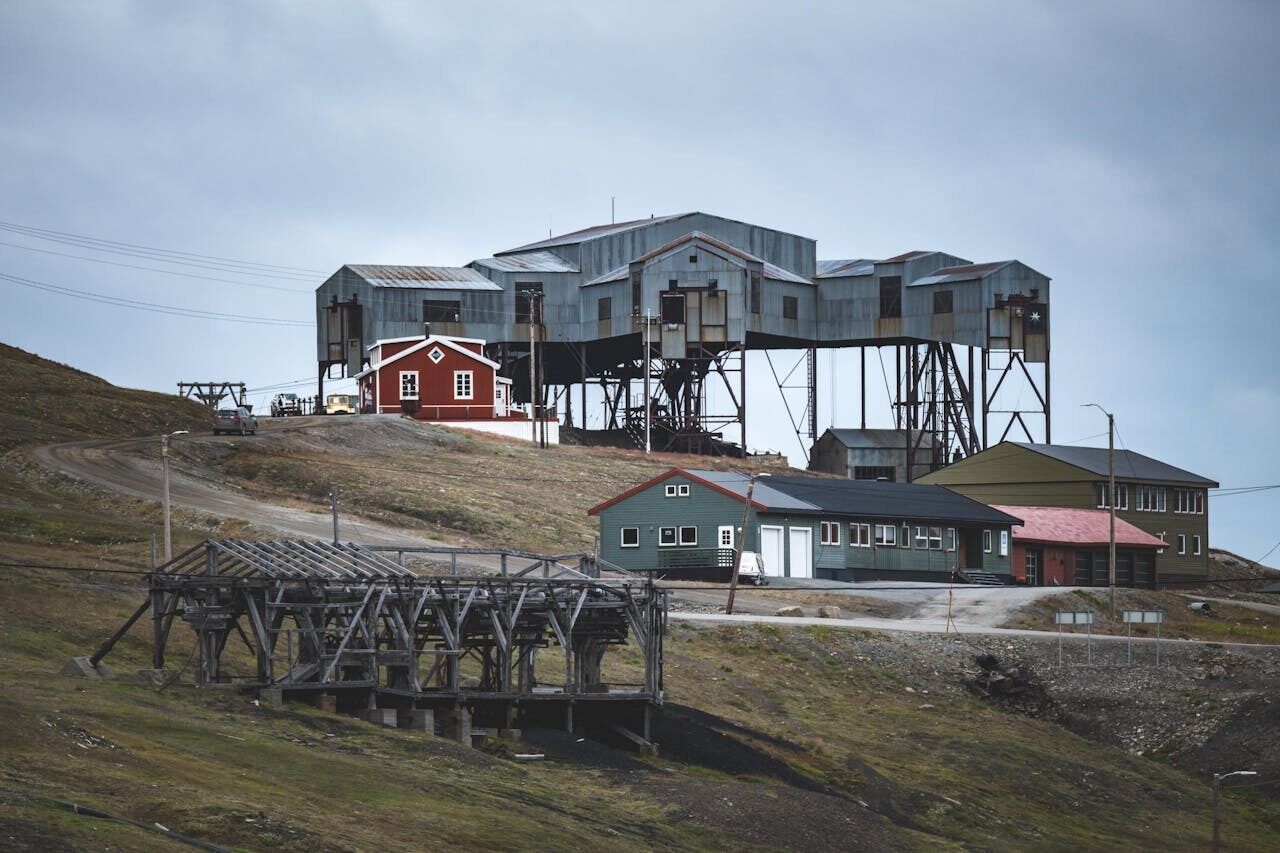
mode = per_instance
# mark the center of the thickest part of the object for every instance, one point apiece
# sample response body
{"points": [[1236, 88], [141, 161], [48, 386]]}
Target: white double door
{"points": [[774, 551]]}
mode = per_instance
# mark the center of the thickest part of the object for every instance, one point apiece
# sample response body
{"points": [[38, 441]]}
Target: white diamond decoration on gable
{"points": [[435, 355]]}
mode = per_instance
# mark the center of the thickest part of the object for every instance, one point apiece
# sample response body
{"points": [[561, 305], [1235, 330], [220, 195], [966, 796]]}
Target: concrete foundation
{"points": [[80, 667], [457, 725], [153, 677], [271, 697], [381, 717], [327, 702], [419, 720]]}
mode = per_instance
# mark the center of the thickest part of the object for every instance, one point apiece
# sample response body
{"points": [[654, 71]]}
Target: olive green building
{"points": [[1165, 501]]}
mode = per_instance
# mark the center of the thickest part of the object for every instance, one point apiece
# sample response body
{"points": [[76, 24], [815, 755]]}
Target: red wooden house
{"points": [[434, 378], [1062, 546]]}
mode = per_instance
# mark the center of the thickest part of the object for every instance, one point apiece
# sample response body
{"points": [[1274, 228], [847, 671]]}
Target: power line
{"points": [[156, 269], [157, 253], [121, 302]]}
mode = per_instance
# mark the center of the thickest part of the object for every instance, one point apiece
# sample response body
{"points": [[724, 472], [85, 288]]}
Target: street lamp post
{"points": [[741, 545], [164, 465], [1217, 812], [1111, 500]]}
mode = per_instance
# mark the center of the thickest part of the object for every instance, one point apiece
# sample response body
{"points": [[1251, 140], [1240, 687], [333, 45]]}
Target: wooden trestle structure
{"points": [[350, 622]]}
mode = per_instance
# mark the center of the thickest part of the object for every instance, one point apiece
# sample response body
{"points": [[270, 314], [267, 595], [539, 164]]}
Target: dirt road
{"points": [[132, 467]]}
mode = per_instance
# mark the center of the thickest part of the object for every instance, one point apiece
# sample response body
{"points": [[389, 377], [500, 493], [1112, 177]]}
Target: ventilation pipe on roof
{"points": [[426, 331]]}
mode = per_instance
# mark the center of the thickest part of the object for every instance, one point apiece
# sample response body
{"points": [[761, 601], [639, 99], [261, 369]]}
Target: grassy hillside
{"points": [[798, 739], [45, 401], [460, 486]]}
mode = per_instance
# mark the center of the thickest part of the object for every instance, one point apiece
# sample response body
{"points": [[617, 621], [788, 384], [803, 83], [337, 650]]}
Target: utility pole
{"points": [[1111, 477], [646, 384], [1217, 802], [1111, 500], [333, 505], [742, 541], [533, 405], [164, 465]]}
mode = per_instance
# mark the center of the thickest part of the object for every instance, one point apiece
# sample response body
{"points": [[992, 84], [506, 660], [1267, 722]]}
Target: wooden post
{"points": [[742, 540]]}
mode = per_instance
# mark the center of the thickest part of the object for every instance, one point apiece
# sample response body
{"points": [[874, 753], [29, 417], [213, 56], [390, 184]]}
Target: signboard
{"points": [[1148, 616], [1073, 617]]}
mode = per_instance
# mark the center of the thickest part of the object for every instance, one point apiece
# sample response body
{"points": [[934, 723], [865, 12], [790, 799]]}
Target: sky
{"points": [[1127, 150]]}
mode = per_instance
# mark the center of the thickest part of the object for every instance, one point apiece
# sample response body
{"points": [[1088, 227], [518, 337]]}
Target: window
{"points": [[922, 538], [1122, 495], [1149, 498], [986, 541], [672, 308], [859, 535], [636, 291], [666, 537], [1004, 543], [935, 538], [942, 302], [671, 491], [441, 311], [891, 296], [830, 532], [604, 308], [790, 307], [874, 472], [436, 355], [693, 259], [904, 541], [528, 302], [629, 537], [950, 543], [755, 293], [725, 536], [886, 535], [408, 385], [1188, 501], [688, 536], [1195, 544], [462, 384], [683, 490], [1182, 544]]}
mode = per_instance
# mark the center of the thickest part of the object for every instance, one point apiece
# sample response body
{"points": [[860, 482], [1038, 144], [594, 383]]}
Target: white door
{"points": [[801, 541], [771, 550]]}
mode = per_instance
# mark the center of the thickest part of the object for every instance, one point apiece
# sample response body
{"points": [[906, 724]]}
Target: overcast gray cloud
{"points": [[1127, 150]]}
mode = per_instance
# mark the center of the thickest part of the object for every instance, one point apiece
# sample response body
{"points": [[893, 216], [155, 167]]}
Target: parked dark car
{"points": [[239, 420]]}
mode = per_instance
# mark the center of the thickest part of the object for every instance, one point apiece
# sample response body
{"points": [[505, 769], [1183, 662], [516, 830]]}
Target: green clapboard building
{"points": [[684, 524], [1165, 501]]}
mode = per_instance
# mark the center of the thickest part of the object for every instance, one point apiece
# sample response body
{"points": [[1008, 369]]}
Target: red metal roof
{"points": [[1070, 526]]}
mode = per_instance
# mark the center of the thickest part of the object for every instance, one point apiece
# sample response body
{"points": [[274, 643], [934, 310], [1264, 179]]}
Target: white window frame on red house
{"points": [[407, 374], [464, 381]]}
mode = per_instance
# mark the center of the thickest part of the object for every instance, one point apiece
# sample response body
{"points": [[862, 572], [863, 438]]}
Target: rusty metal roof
{"points": [[528, 262], [967, 272], [877, 439], [906, 256], [423, 278], [1075, 526]]}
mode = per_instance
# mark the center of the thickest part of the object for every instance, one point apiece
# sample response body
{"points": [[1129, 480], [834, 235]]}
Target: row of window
{"points": [[680, 490], [1151, 498], [927, 538], [670, 537], [463, 383]]}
